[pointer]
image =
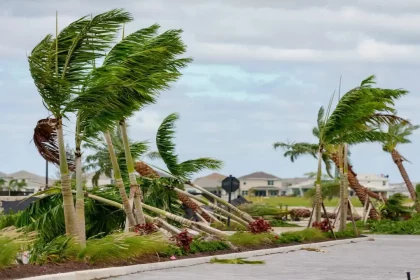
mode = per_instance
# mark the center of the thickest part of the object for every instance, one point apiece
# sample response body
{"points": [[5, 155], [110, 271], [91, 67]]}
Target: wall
{"points": [[253, 183]]}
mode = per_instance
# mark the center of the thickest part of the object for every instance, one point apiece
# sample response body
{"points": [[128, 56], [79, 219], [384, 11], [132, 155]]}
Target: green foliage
{"points": [[233, 226], [281, 223], [306, 235], [235, 261], [394, 209], [411, 226], [60, 249], [121, 247], [7, 220], [198, 246], [166, 147], [262, 210], [400, 133], [248, 239], [8, 252], [329, 190]]}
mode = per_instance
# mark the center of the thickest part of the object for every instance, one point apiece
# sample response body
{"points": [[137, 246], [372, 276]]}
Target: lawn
{"points": [[298, 201]]}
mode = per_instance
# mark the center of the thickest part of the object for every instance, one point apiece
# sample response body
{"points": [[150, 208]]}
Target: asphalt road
{"points": [[388, 257]]}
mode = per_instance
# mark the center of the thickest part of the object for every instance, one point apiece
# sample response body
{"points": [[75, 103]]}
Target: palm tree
{"points": [[350, 122], [2, 182], [132, 74], [59, 67], [16, 185], [401, 133]]}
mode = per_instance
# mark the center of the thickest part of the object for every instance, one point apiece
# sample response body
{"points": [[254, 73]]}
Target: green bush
{"points": [[7, 220], [306, 235], [263, 210], [121, 247], [8, 252], [198, 246], [250, 239], [60, 249], [232, 227], [349, 233], [411, 226]]}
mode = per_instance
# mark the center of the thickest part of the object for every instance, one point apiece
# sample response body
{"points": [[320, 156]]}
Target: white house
{"points": [[213, 184], [301, 187], [376, 183], [399, 188], [260, 184], [34, 183]]}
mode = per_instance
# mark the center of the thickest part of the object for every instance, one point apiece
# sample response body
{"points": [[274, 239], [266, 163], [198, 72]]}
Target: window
{"points": [[244, 193], [273, 193], [270, 182], [244, 183], [383, 183]]}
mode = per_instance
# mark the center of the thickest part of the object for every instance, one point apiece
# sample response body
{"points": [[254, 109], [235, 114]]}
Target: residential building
{"points": [[213, 184], [374, 182], [260, 184], [301, 187], [399, 188], [34, 183]]}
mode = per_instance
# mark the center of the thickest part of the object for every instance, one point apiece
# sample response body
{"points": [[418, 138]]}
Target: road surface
{"points": [[386, 258]]}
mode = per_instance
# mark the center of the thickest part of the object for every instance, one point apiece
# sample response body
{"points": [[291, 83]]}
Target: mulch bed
{"points": [[30, 270]]}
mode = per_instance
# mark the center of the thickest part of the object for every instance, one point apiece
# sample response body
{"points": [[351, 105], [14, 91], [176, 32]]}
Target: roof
{"points": [[213, 180], [31, 177], [259, 175], [268, 188]]}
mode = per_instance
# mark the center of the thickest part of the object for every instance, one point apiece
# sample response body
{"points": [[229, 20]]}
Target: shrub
{"points": [[300, 213], [394, 208], [8, 252], [198, 246], [306, 235], [250, 239], [259, 226], [263, 210], [323, 226], [233, 226], [60, 249], [343, 234], [7, 220], [122, 247], [411, 226], [183, 240], [147, 228]]}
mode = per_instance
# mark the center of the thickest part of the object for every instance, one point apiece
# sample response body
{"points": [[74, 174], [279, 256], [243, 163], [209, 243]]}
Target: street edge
{"points": [[126, 270]]}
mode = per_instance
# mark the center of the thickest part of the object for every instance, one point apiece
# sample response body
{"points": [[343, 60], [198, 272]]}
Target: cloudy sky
{"points": [[261, 71]]}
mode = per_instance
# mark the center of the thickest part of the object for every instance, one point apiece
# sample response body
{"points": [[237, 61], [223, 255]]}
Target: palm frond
{"points": [[235, 261], [295, 150], [46, 141], [165, 144], [189, 167]]}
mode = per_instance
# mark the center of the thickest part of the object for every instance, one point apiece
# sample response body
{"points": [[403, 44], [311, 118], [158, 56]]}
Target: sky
{"points": [[261, 71]]}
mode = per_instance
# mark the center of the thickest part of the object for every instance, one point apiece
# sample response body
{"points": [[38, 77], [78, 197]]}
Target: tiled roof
{"points": [[259, 175]]}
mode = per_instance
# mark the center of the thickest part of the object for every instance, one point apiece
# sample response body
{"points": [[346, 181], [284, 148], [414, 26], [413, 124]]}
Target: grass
{"points": [[8, 252], [250, 239], [298, 201], [233, 226], [256, 209], [280, 223], [121, 247]]}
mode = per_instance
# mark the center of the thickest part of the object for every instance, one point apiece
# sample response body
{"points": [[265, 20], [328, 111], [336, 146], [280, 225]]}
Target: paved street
{"points": [[388, 257]]}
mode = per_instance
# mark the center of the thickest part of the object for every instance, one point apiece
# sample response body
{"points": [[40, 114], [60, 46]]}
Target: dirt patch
{"points": [[30, 270]]}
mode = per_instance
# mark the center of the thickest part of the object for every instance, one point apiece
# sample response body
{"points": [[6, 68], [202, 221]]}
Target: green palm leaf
{"points": [[165, 144]]}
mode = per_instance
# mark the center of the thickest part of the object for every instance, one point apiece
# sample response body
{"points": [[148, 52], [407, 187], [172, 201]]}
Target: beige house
{"points": [[260, 184], [34, 183], [213, 184]]}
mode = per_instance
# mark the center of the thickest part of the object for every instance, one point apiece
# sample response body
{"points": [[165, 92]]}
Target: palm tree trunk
{"points": [[397, 158], [318, 195], [360, 191], [68, 204], [215, 207], [241, 214], [80, 197], [343, 188], [119, 182], [186, 222], [134, 186]]}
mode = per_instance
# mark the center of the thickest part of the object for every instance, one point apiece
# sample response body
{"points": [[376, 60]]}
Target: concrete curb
{"points": [[125, 270]]}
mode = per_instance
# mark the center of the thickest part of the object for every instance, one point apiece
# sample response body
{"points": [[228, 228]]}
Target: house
{"points": [[213, 184], [399, 188], [299, 188], [375, 183], [34, 183], [260, 184]]}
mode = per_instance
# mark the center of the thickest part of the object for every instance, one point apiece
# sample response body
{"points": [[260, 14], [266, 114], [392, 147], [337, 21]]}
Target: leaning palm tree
{"points": [[59, 67], [132, 74], [350, 122], [401, 133]]}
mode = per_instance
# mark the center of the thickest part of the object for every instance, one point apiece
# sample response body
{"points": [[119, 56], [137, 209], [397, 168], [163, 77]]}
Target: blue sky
{"points": [[260, 74]]}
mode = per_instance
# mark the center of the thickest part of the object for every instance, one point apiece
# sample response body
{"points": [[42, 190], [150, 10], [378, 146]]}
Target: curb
{"points": [[125, 270]]}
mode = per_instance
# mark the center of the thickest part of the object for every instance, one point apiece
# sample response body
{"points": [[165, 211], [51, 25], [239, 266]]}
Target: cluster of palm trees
{"points": [[84, 72], [364, 114], [13, 184]]}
